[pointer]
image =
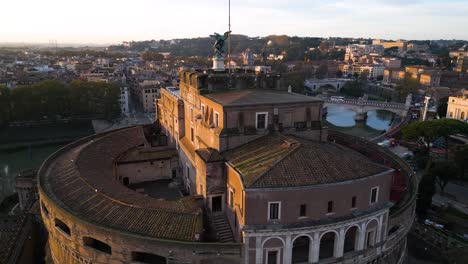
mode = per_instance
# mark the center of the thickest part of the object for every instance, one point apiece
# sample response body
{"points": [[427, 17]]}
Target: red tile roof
{"points": [[278, 161], [81, 180]]}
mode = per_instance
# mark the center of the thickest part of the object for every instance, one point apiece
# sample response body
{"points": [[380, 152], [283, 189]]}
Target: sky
{"points": [[114, 21]]}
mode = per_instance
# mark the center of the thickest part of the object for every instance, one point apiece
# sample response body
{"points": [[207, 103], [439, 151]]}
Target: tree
{"points": [[442, 107], [324, 46], [461, 160], [5, 105], [353, 88], [406, 86], [430, 130], [443, 172], [426, 190], [152, 56], [321, 71]]}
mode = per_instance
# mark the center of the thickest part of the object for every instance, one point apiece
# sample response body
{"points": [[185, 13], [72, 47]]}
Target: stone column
{"points": [[316, 247], [246, 250], [287, 253], [311, 250], [258, 250], [378, 237], [339, 243], [385, 226], [362, 236]]}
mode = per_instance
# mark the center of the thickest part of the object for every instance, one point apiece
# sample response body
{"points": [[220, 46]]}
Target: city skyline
{"points": [[105, 23]]}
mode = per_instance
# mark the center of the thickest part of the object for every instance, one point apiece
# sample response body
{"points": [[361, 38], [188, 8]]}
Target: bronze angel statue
{"points": [[220, 46]]}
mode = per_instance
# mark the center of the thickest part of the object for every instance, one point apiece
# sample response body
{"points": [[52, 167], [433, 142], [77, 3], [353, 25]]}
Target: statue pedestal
{"points": [[218, 64]]}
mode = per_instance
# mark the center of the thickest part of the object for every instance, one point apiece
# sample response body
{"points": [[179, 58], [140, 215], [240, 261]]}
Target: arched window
{"points": [[97, 245], [462, 116], [62, 227]]}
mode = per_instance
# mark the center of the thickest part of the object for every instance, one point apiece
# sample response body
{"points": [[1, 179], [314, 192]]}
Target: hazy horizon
{"points": [[104, 22]]}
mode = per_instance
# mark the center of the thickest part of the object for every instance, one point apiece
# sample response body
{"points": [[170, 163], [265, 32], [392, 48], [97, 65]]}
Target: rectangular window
{"points": [[231, 198], [374, 195], [353, 202], [216, 120], [191, 134], [203, 111], [303, 210], [261, 120], [274, 210], [330, 207]]}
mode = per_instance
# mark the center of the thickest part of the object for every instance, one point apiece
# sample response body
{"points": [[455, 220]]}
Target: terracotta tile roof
{"points": [[256, 97], [81, 180], [139, 154], [278, 160], [10, 230]]}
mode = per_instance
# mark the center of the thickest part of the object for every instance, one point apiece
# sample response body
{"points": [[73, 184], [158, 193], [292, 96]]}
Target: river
{"points": [[14, 161], [341, 118]]}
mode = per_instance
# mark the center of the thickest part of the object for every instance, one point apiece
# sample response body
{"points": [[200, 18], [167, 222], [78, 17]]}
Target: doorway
{"points": [[216, 204]]}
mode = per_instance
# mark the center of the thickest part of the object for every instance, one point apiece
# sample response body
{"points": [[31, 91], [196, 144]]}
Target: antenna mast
{"points": [[229, 38]]}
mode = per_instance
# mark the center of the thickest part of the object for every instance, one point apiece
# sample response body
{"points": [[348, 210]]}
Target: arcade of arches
{"points": [[318, 245]]}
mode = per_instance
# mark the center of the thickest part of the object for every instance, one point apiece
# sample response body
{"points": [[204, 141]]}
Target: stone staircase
{"points": [[222, 228]]}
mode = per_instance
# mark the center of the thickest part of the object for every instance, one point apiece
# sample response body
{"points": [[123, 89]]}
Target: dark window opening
{"points": [[374, 195], [142, 257], [393, 230], [44, 209], [303, 210], [272, 257], [261, 121], [330, 207], [353, 202], [62, 227], [191, 134], [97, 245], [174, 173], [274, 211]]}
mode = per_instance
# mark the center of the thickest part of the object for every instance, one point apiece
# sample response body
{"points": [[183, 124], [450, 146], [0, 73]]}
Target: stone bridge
{"points": [[361, 106]]}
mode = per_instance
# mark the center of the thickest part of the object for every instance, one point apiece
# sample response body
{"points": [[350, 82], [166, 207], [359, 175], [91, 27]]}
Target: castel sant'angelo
{"points": [[235, 169]]}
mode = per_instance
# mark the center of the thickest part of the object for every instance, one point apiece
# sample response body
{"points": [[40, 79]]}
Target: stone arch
{"points": [[301, 248], [272, 249], [351, 239], [328, 241], [371, 232], [266, 242]]}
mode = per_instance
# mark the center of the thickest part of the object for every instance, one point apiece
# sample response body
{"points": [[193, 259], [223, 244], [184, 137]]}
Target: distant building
{"points": [[26, 187], [374, 70], [426, 76], [461, 59], [401, 45], [393, 75], [123, 100], [458, 106], [417, 47], [148, 91], [393, 63]]}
